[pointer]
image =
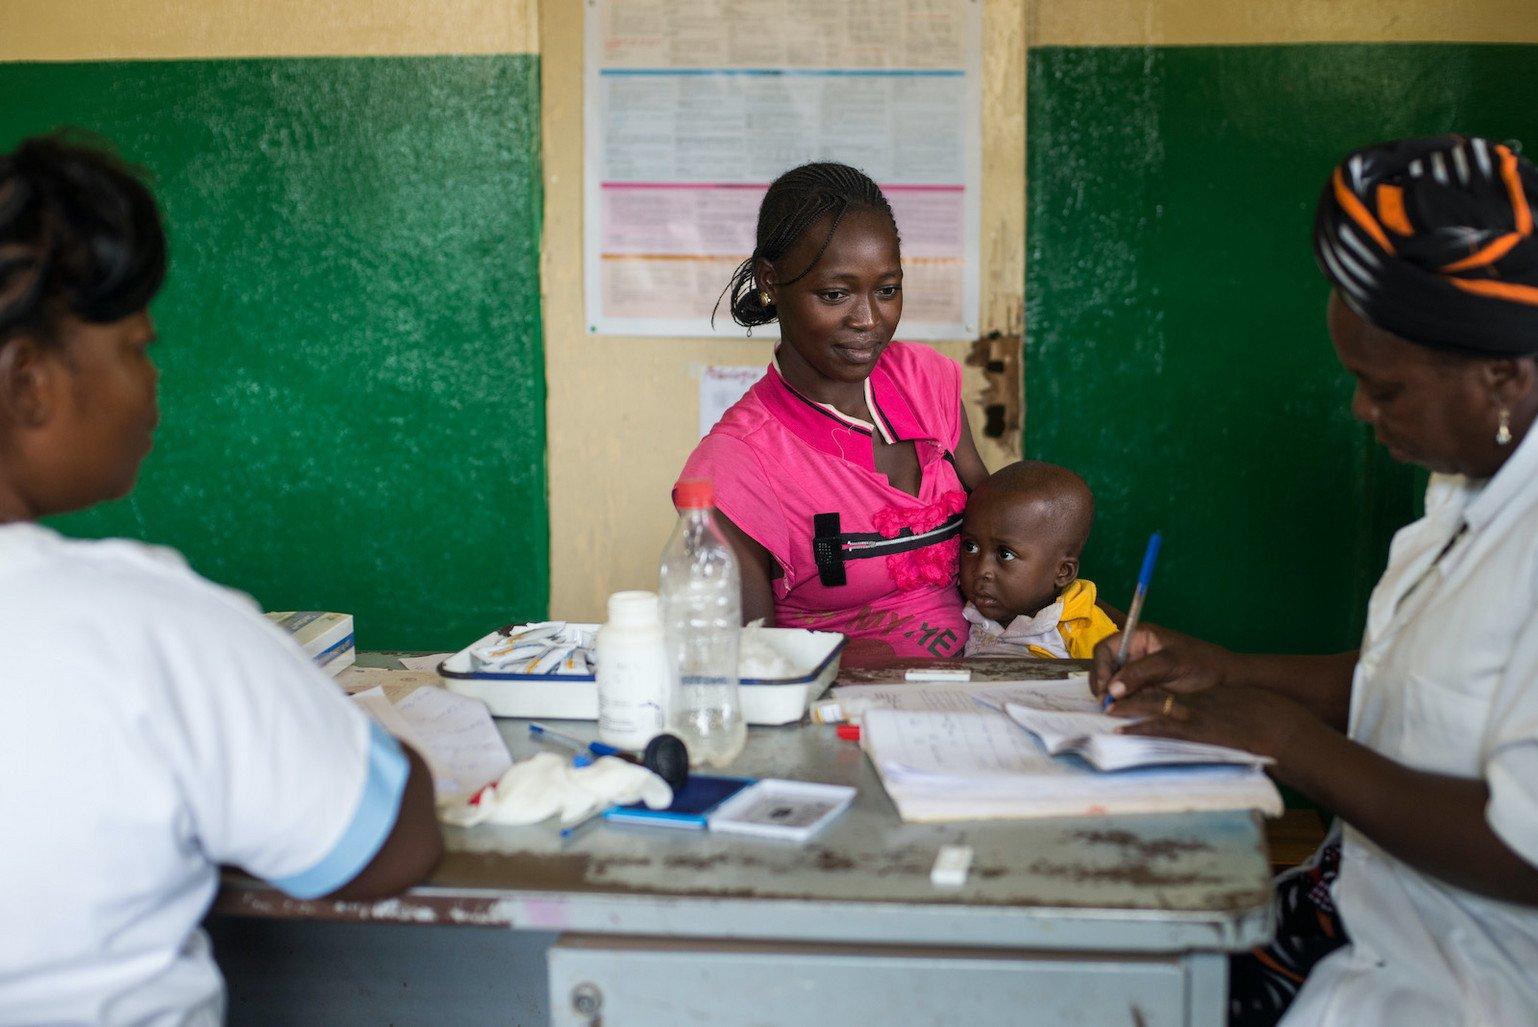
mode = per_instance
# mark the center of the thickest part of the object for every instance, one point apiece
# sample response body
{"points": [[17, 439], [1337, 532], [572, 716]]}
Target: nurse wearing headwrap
{"points": [[1424, 742]]}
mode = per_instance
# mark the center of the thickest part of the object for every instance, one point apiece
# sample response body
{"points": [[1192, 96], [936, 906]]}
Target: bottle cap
{"points": [[634, 609], [694, 494]]}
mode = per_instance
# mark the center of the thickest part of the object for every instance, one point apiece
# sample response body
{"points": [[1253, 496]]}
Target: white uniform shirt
{"points": [[1447, 683], [152, 727]]}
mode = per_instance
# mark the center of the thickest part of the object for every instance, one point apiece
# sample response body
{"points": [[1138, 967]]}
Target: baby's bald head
{"points": [[1021, 537], [1044, 499]]}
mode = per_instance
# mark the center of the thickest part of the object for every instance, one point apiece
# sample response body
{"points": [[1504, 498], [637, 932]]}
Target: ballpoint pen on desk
{"points": [[590, 818], [577, 745], [665, 755], [1150, 557]]}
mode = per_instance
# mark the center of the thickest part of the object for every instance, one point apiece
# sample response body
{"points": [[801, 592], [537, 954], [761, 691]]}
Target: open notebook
{"points": [[977, 763], [1094, 737]]}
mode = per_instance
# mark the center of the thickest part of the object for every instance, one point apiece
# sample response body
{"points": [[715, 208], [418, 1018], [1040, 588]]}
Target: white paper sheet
{"points": [[378, 705], [424, 662], [692, 109], [454, 734], [396, 683], [973, 747]]}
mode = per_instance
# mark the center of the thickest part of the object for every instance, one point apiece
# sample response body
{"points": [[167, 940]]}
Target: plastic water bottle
{"points": [[702, 614], [635, 673]]}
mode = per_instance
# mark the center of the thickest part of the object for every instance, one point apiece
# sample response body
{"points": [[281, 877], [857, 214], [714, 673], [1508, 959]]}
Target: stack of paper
{"points": [[979, 764]]}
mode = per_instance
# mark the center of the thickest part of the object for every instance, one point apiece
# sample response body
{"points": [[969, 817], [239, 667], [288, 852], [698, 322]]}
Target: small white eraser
{"points": [[937, 674], [951, 865], [829, 711], [1078, 675]]}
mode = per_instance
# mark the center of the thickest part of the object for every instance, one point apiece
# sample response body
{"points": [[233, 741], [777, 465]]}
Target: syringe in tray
{"points": [[549, 647]]}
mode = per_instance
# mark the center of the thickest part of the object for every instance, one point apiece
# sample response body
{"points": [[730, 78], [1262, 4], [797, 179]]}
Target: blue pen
{"points": [[1150, 557], [593, 817], [575, 744]]}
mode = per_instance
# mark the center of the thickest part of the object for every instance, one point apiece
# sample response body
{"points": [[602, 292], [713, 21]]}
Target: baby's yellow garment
{"points": [[1082, 624]]}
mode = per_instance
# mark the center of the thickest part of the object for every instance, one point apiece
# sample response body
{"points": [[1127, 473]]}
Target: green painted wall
{"points": [[352, 378], [1176, 352]]}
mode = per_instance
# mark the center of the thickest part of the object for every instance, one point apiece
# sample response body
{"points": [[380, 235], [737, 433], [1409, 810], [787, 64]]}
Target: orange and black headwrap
{"points": [[1432, 240]]}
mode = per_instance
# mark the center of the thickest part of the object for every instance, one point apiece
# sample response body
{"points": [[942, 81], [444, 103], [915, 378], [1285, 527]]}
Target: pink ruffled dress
{"points": [[858, 555]]}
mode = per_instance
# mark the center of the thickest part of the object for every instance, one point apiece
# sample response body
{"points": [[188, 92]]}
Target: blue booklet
{"points": [[692, 804]]}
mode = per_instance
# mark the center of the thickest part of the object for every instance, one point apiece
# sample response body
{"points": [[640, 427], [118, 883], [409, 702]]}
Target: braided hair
{"points": [[79, 233], [794, 204]]}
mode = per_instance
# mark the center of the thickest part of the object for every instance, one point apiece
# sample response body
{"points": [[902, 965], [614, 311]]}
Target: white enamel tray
{"points": [[575, 697]]}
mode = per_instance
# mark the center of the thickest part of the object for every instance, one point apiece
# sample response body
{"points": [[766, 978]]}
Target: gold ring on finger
{"points": [[1169, 704]]}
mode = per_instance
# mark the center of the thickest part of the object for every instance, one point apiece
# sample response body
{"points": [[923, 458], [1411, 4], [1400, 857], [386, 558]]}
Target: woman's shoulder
{"points": [[113, 562], [744, 457], [741, 422], [131, 578], [139, 595], [747, 427], [915, 358], [931, 383], [923, 372]]}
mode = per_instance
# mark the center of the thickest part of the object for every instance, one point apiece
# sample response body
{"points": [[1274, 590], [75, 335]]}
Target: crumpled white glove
{"points": [[546, 783]]}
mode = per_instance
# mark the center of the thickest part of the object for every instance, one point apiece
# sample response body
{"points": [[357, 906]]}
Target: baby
{"points": [[1021, 537]]}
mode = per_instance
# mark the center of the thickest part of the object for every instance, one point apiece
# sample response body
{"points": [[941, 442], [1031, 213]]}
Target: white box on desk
{"points": [[575, 697], [326, 638]]}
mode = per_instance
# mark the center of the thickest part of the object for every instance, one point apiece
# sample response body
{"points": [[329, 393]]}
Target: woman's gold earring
{"points": [[764, 299], [1503, 433]]}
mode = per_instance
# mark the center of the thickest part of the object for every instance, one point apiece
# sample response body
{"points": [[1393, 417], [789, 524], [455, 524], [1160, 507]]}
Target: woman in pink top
{"points": [[840, 477]]}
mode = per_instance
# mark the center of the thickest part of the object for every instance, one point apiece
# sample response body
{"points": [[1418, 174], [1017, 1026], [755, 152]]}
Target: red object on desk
{"points": [[849, 732]]}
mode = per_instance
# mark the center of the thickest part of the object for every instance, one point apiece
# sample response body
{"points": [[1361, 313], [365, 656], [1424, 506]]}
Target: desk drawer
{"points": [[634, 982]]}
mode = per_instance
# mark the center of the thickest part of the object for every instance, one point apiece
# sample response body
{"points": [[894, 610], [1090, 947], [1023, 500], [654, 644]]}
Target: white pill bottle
{"points": [[635, 683]]}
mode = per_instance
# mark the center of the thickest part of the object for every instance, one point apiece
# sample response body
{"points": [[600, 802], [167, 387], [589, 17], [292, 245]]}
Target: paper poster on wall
{"points": [[720, 387], [694, 106]]}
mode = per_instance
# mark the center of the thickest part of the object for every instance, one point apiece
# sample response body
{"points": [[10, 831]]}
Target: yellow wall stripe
{"points": [[1220, 22], [85, 30]]}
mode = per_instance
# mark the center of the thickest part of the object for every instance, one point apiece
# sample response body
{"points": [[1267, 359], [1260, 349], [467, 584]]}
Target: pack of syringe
{"points": [[326, 638]]}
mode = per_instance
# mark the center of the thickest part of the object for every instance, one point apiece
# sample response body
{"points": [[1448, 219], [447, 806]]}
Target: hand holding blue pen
{"points": [[1150, 557]]}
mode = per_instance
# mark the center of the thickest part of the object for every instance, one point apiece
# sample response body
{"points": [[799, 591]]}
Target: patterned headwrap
{"points": [[1432, 240]]}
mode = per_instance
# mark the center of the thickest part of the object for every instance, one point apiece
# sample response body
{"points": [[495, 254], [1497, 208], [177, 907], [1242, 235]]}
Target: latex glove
{"points": [[544, 784], [528, 792], [616, 782]]}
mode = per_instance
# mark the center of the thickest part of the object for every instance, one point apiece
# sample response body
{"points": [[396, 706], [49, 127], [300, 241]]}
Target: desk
{"points": [[1093, 920]]}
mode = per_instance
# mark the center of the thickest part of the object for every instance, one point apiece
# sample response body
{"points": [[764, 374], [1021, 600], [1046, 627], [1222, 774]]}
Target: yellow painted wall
{"points": [[64, 30], [623, 411], [1221, 22]]}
